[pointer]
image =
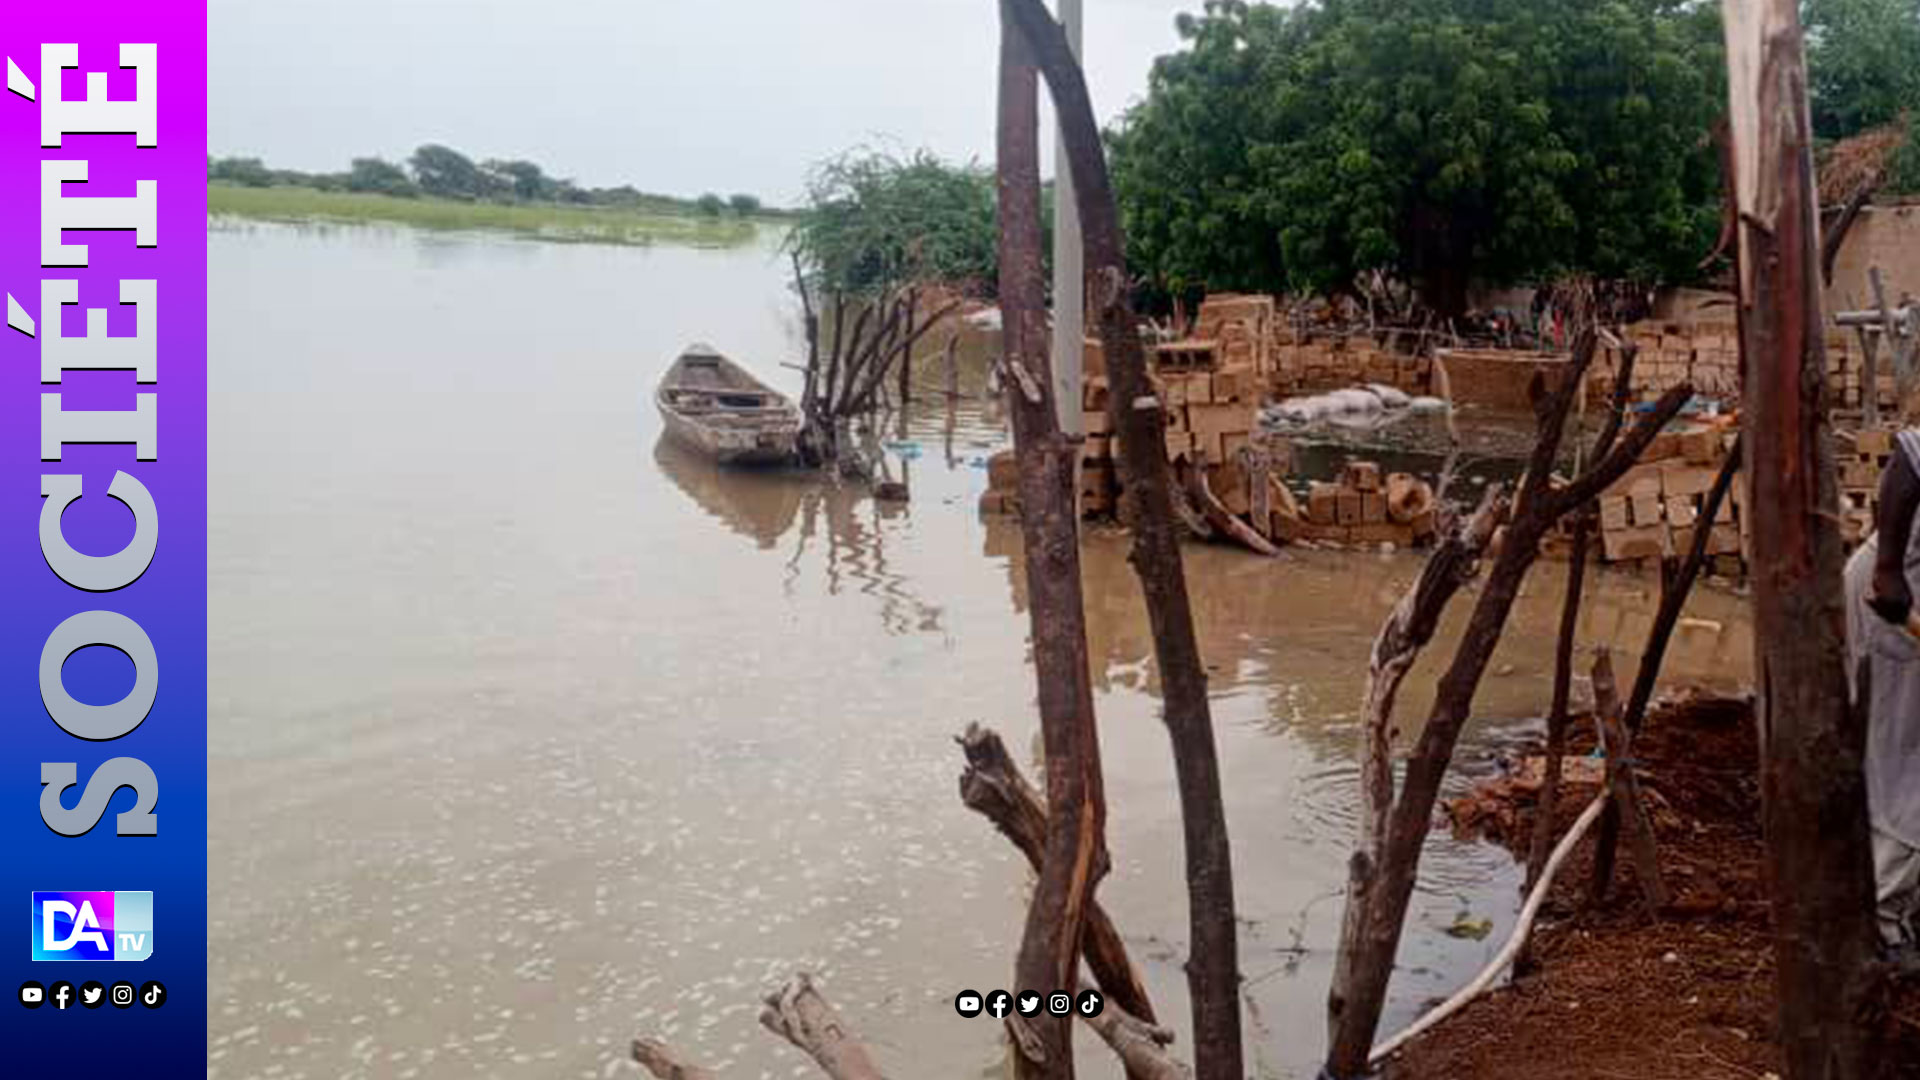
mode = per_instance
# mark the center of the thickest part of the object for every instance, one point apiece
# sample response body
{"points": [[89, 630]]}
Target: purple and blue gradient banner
{"points": [[123, 627]]}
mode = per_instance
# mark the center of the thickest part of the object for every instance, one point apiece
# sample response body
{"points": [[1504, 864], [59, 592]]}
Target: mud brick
{"points": [[1362, 476], [1643, 479], [1236, 446], [1179, 445], [1383, 532], [1700, 443], [1682, 478], [1681, 511], [1231, 386], [1664, 445], [1728, 566], [1323, 504], [1175, 392], [1093, 394], [1098, 449], [1373, 507], [1199, 388], [1646, 510], [1003, 471], [1613, 512], [1636, 543], [1348, 508], [1096, 422], [1332, 534], [1873, 441], [1724, 540]]}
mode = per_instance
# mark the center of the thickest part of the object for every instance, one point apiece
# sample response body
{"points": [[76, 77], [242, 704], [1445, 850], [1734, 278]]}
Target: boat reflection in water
{"points": [[838, 526]]}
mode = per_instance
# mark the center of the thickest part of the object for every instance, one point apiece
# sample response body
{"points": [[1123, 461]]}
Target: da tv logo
{"points": [[92, 925]]}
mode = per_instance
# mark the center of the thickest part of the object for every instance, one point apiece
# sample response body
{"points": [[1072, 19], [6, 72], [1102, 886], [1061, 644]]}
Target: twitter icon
{"points": [[1029, 1003], [92, 994]]}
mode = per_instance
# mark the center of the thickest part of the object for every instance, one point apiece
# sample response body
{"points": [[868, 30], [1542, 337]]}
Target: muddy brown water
{"points": [[530, 734]]}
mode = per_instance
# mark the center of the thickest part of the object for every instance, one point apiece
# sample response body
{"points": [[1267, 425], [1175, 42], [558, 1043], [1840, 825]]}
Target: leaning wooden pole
{"points": [[1138, 415], [1813, 792], [1075, 855]]}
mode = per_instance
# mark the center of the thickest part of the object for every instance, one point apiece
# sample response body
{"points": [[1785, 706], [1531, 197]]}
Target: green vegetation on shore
{"points": [[441, 188], [584, 224]]}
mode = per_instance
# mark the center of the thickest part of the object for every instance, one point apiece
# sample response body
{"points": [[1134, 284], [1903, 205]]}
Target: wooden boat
{"points": [[714, 407]]}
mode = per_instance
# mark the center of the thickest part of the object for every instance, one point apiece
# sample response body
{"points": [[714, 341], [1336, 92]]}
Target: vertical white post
{"points": [[1069, 274]]}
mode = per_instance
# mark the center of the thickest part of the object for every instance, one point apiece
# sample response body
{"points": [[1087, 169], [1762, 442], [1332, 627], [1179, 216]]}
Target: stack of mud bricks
{"points": [[1499, 378], [1654, 509], [1860, 457], [1703, 354], [1707, 355], [1363, 507], [1308, 363], [1099, 484]]}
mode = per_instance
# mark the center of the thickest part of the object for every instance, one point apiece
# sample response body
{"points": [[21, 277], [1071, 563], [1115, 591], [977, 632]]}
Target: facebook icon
{"points": [[998, 1003]]}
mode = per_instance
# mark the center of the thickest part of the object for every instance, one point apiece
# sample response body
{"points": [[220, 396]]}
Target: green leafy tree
{"points": [[523, 180], [449, 174], [744, 205], [245, 171], [1446, 141], [1863, 63], [710, 205], [874, 221], [380, 176]]}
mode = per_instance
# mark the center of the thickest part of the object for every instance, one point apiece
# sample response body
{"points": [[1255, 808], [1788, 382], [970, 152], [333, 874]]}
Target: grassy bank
{"points": [[578, 224]]}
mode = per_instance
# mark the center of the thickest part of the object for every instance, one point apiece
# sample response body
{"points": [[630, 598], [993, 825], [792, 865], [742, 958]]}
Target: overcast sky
{"points": [[673, 96]]}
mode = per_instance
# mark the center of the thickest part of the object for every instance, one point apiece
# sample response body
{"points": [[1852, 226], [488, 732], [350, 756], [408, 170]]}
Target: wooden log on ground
{"points": [[1219, 517], [798, 1013], [993, 786], [1623, 786]]}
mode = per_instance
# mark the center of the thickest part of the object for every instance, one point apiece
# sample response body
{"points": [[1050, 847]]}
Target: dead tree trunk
{"points": [[1382, 888], [1569, 627], [1813, 792], [1137, 414], [1408, 629], [993, 786], [1075, 857]]}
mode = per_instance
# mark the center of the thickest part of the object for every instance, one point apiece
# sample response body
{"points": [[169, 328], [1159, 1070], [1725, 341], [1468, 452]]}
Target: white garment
{"points": [[1893, 726], [1896, 889]]}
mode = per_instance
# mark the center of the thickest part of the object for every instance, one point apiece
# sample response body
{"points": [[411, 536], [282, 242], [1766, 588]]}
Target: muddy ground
{"points": [[1617, 995]]}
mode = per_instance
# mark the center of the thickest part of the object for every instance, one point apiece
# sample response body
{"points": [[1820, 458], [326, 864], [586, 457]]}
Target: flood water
{"points": [[530, 736]]}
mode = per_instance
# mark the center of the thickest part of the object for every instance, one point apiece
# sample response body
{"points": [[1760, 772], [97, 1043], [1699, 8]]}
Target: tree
{"points": [[522, 179], [443, 171], [1812, 738], [710, 205], [1863, 63], [245, 171], [874, 221], [380, 176], [744, 205], [1447, 142]]}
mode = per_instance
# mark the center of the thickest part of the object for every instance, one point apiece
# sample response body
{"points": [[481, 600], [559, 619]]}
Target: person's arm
{"points": [[1899, 497]]}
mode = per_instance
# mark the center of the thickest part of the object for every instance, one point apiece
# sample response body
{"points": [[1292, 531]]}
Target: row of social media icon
{"points": [[92, 995], [971, 1003]]}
